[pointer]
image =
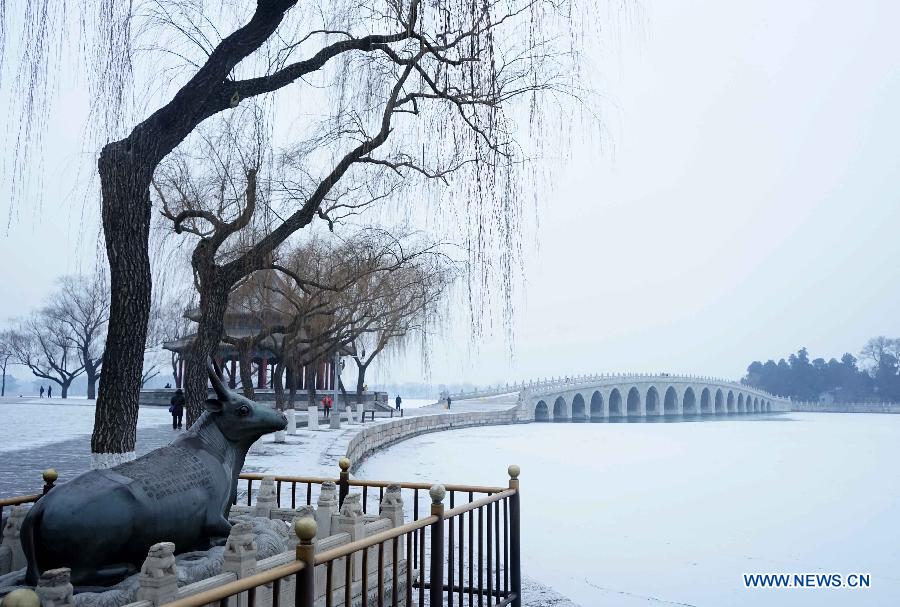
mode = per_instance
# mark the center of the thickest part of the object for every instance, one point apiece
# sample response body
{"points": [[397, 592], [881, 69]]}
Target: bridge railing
{"points": [[550, 384]]}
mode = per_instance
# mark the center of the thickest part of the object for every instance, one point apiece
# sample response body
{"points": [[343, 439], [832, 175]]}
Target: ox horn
{"points": [[216, 379]]}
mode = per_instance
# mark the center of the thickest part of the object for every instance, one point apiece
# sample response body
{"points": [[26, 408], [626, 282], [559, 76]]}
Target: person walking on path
{"points": [[42, 391], [397, 401], [448, 402], [326, 407], [49, 391], [177, 409]]}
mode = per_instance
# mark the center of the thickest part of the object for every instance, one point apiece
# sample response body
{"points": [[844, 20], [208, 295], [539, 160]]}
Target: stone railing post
{"points": [[351, 520], [326, 507], [301, 513], [158, 578], [55, 589], [11, 539], [391, 507], [265, 498], [240, 555]]}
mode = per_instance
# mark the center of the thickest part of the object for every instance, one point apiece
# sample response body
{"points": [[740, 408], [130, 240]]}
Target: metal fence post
{"points": [[344, 480], [515, 543], [305, 591], [436, 581], [49, 477]]}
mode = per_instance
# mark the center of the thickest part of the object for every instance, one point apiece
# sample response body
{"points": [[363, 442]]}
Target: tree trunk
{"points": [[292, 385], [344, 392], [64, 389], [311, 404], [278, 384], [246, 364], [360, 381], [213, 301], [91, 383], [125, 211]]}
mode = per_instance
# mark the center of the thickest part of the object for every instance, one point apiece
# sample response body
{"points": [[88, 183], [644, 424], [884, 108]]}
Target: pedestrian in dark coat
{"points": [[398, 401], [177, 409], [42, 391]]}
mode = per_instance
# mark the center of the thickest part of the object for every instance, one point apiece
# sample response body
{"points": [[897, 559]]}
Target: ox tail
{"points": [[30, 527]]}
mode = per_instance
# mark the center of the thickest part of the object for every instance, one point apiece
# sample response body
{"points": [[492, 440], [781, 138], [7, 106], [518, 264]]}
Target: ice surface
{"points": [[675, 513], [35, 422]]}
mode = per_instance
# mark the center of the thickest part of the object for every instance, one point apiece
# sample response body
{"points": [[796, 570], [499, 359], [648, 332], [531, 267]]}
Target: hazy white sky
{"points": [[744, 203]]}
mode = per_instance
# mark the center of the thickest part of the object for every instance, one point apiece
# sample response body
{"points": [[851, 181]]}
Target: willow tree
{"points": [[414, 90]]}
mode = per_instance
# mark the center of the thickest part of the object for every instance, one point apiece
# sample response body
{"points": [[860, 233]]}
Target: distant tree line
{"points": [[874, 376]]}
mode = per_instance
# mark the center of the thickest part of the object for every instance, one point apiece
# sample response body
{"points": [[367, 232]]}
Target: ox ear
{"points": [[213, 405]]}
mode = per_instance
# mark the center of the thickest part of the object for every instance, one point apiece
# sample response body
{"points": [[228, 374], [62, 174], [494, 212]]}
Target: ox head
{"points": [[238, 418]]}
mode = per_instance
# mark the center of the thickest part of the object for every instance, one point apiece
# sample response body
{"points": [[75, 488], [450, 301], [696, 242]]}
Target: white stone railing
{"points": [[548, 385]]}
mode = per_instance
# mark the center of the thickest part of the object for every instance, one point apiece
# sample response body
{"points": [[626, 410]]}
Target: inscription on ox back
{"points": [[170, 471]]}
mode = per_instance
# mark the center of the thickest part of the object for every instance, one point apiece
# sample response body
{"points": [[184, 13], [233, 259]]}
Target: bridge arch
{"points": [[689, 402], [740, 405], [651, 401], [720, 402], [670, 402], [729, 402], [768, 406], [705, 405], [560, 410], [615, 403], [541, 412], [597, 411], [578, 408], [756, 405], [633, 403]]}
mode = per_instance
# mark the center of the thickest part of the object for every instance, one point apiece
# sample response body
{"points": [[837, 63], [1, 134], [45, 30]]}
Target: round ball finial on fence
{"points": [[344, 463], [514, 471], [437, 493], [23, 597], [50, 475], [306, 528]]}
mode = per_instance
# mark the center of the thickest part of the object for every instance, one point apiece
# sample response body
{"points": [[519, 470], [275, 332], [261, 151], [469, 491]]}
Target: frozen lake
{"points": [[675, 513]]}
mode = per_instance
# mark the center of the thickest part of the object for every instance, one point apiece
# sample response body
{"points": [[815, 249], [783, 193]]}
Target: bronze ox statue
{"points": [[101, 523]]}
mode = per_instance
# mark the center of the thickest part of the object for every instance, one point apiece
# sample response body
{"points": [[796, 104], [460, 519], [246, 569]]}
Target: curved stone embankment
{"points": [[372, 438]]}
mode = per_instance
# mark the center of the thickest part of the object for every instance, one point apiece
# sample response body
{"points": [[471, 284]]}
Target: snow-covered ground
{"points": [[33, 422], [675, 513]]}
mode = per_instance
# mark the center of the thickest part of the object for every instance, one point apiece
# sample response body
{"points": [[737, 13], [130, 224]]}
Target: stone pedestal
{"points": [[350, 419], [291, 416], [159, 578], [280, 436], [55, 589], [266, 499], [360, 413], [326, 507], [335, 419], [312, 418]]}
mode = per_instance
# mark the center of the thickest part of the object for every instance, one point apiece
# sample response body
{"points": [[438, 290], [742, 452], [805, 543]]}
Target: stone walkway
{"points": [[308, 453]]}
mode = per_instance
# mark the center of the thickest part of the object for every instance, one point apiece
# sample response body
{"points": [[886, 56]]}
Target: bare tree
{"points": [[49, 349], [395, 70], [877, 347], [81, 304], [6, 353]]}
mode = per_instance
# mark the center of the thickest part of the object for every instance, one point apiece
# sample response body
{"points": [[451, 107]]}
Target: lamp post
{"points": [[336, 412]]}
